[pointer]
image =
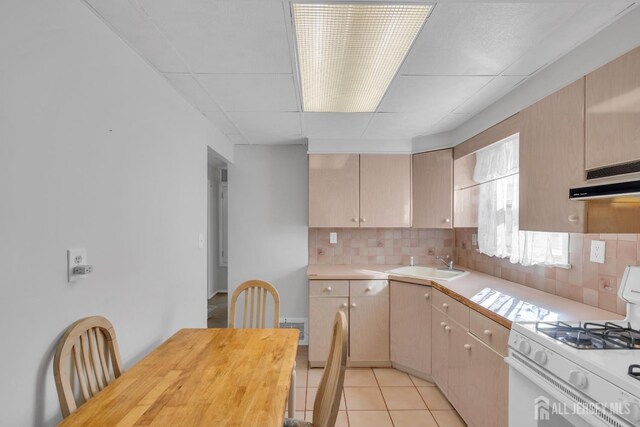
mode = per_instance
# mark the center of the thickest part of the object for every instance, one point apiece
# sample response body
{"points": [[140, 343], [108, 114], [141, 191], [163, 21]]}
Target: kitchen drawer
{"points": [[491, 333], [328, 288], [369, 288], [457, 311]]}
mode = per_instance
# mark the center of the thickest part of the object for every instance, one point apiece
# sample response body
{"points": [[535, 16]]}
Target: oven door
{"points": [[534, 401]]}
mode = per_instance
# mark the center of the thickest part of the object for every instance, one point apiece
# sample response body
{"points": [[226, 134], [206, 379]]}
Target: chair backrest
{"points": [[255, 302], [88, 344], [327, 403]]}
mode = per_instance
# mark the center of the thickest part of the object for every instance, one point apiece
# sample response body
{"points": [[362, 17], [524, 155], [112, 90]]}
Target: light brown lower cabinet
{"points": [[366, 303], [471, 374], [410, 327]]}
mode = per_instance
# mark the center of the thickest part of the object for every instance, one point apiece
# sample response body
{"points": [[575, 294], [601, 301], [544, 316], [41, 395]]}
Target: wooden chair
{"points": [[255, 289], [88, 344], [327, 403]]}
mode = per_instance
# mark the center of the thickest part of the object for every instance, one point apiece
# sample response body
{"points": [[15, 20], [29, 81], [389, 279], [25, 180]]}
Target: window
{"points": [[498, 229]]}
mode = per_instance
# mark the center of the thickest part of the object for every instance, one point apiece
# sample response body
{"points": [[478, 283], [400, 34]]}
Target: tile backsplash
{"points": [[586, 282], [389, 246]]}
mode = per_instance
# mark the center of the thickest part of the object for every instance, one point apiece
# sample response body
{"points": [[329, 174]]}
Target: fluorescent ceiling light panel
{"points": [[349, 53]]}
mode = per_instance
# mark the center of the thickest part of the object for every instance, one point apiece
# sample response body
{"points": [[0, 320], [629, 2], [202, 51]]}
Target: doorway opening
{"points": [[217, 241]]}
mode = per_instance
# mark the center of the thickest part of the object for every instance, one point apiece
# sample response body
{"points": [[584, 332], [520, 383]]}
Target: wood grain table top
{"points": [[212, 377]]}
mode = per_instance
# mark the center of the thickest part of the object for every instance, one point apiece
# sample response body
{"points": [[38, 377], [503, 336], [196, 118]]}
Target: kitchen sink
{"points": [[428, 273]]}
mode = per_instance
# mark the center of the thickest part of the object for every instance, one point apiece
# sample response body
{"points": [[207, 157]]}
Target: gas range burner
{"points": [[592, 336]]}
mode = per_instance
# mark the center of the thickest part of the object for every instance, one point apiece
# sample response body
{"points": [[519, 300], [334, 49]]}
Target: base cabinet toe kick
{"points": [[421, 331]]}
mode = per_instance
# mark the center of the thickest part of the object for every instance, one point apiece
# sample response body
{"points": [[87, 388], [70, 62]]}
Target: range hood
{"points": [[614, 190]]}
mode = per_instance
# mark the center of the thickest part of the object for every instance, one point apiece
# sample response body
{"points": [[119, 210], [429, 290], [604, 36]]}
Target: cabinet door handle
{"points": [[328, 288], [354, 219], [353, 305], [573, 218], [467, 346], [427, 296], [445, 305], [447, 328], [344, 304], [443, 324], [447, 220], [369, 289], [487, 332], [363, 219]]}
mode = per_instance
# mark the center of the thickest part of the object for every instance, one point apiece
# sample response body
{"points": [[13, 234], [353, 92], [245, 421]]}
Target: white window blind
{"points": [[497, 169]]}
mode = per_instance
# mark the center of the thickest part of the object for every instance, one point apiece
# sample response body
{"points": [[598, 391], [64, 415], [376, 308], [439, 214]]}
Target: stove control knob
{"points": [[540, 357], [633, 412], [525, 347], [578, 379]]}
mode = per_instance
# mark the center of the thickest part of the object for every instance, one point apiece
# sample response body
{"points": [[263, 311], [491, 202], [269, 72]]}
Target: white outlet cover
{"points": [[333, 237], [75, 257], [597, 251]]}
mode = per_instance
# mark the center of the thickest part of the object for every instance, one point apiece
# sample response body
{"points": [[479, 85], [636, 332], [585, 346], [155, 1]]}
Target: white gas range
{"points": [[578, 373]]}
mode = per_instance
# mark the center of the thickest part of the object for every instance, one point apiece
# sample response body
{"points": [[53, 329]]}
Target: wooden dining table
{"points": [[201, 377]]}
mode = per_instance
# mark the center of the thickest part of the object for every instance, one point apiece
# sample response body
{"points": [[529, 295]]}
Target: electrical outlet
{"points": [[474, 239], [75, 258], [333, 237], [597, 251]]}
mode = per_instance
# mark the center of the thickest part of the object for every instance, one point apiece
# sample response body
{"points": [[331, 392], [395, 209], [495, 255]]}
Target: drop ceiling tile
{"points": [[132, 24], [225, 36], [488, 94], [467, 38], [221, 122], [192, 91], [401, 125], [430, 93], [335, 125], [251, 92], [450, 121], [579, 27], [268, 127]]}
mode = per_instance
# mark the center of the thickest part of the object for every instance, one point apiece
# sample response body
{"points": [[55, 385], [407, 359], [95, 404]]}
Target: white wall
{"points": [[96, 151], [268, 218]]}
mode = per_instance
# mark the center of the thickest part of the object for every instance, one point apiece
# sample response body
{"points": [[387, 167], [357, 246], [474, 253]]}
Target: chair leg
{"points": [[292, 393]]}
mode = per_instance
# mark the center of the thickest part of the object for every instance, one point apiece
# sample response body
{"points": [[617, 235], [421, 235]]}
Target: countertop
{"points": [[501, 300]]}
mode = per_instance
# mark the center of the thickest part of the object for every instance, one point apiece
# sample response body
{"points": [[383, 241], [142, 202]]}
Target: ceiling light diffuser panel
{"points": [[349, 53]]}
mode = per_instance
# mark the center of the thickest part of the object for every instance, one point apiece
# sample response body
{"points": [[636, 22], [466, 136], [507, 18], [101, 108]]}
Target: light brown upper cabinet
{"points": [[552, 161], [334, 188], [351, 190], [433, 189], [613, 112], [385, 190]]}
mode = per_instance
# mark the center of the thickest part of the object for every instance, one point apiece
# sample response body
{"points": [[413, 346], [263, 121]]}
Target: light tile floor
{"points": [[377, 398]]}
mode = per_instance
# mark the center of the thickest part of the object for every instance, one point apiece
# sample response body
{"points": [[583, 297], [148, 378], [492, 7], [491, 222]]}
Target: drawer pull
{"points": [[353, 305], [467, 346], [487, 332], [426, 296], [447, 328], [369, 289], [328, 288], [445, 305]]}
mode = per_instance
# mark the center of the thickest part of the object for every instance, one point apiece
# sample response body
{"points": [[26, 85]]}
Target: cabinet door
{"points": [[440, 350], [385, 190], [334, 186], [322, 311], [369, 321], [432, 188], [613, 112], [552, 161], [488, 386], [460, 371], [410, 326]]}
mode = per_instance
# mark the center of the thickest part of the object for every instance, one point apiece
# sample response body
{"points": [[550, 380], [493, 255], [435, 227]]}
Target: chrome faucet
{"points": [[447, 261]]}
